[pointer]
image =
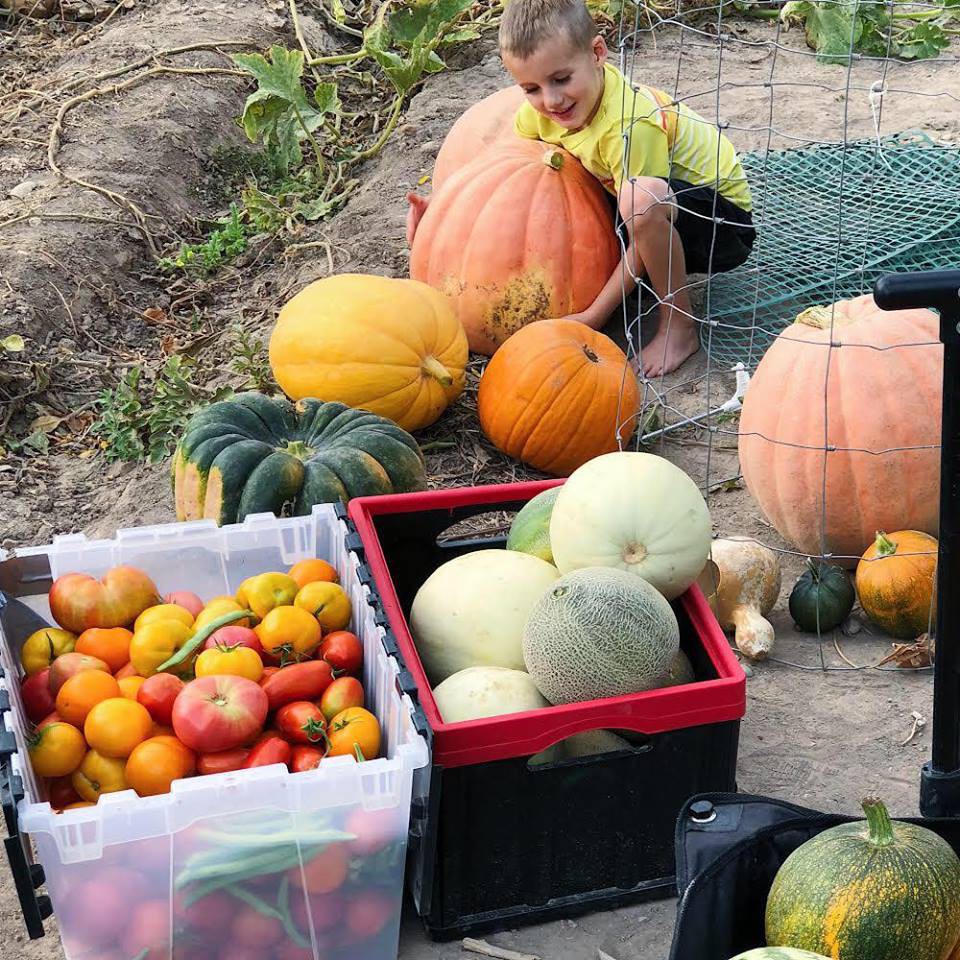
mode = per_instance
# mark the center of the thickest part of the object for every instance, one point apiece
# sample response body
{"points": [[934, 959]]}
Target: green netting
{"points": [[897, 208]]}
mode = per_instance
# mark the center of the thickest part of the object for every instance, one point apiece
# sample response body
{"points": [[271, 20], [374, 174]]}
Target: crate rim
{"points": [[722, 699]]}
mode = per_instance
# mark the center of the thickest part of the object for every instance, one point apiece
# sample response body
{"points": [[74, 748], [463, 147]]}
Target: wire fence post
{"points": [[940, 778]]}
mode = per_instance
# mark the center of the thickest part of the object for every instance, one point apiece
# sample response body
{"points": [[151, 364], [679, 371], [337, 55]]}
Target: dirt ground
{"points": [[77, 290]]}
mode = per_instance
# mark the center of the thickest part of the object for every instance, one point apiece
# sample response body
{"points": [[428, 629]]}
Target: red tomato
{"points": [[368, 913], [222, 762], [149, 930], [256, 929], [268, 672], [374, 830], [157, 694], [232, 636], [301, 722], [48, 719], [343, 693], [300, 681], [271, 749], [98, 909], [218, 713], [324, 909], [343, 651], [209, 914], [305, 758], [38, 701], [60, 793], [184, 598], [323, 873]]}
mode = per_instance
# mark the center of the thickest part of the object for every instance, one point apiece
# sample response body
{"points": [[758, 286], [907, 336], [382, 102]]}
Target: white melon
{"points": [[486, 692], [635, 512], [471, 611], [599, 632]]}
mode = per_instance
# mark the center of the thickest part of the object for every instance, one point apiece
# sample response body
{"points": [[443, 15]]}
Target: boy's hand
{"points": [[418, 206]]}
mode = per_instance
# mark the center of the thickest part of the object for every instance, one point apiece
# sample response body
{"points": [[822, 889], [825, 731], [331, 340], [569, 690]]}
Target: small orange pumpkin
{"points": [[522, 233], [896, 582], [556, 395], [485, 123]]}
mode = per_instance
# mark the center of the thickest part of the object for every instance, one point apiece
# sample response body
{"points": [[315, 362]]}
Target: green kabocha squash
{"points": [[778, 953], [822, 598], [874, 890], [254, 454]]}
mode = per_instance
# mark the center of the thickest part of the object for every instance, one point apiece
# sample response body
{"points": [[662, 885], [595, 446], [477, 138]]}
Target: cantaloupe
{"points": [[486, 692], [599, 632], [471, 611], [681, 671], [530, 530], [636, 512]]}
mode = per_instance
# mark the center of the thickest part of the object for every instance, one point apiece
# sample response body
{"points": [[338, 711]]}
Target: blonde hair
{"points": [[527, 23]]}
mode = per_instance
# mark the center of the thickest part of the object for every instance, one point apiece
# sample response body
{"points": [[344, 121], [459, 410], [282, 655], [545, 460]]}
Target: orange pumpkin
{"points": [[896, 582], [485, 123], [846, 390], [520, 234], [556, 395]]}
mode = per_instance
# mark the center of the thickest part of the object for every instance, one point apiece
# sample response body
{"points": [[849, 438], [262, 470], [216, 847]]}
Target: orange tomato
{"points": [[114, 727], [97, 775], [327, 602], [43, 646], [109, 644], [82, 692], [309, 571], [130, 686], [238, 661], [56, 750], [354, 729], [156, 763], [127, 670], [288, 632], [163, 611]]}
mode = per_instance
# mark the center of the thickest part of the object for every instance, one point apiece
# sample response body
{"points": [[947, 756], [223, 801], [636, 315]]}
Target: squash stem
{"points": [[432, 367], [298, 449], [878, 822], [885, 546]]}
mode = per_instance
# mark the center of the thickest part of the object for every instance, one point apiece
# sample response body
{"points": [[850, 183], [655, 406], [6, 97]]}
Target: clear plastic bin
{"points": [[254, 863]]}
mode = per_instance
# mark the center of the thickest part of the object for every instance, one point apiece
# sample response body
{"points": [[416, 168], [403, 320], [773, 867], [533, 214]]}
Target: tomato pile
{"points": [[135, 691]]}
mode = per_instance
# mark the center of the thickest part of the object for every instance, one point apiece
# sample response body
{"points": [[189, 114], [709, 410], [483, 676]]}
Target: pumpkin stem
{"points": [[590, 355], [878, 822], [885, 546], [553, 158], [432, 367], [298, 449]]}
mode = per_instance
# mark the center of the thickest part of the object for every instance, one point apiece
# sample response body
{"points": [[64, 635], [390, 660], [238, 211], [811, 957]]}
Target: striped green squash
{"points": [[254, 454], [870, 890], [778, 953]]}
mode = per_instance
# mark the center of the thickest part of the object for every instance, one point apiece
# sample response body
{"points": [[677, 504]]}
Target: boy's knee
{"points": [[645, 202]]}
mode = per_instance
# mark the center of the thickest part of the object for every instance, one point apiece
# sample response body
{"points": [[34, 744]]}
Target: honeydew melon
{"points": [[486, 692]]}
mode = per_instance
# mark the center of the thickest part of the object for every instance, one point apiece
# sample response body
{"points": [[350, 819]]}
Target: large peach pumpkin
{"points": [[393, 347], [482, 125], [520, 234], [844, 389], [556, 395]]}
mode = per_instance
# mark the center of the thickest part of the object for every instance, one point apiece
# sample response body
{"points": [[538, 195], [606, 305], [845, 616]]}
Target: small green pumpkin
{"points": [[779, 953], [822, 598], [874, 890], [254, 454]]}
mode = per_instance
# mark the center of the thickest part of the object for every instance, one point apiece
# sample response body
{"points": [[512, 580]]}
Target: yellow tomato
{"points": [[43, 646], [130, 686], [354, 732], [156, 643], [115, 726], [328, 602], [97, 775], [56, 750], [237, 661], [215, 609], [289, 632], [266, 591], [163, 611]]}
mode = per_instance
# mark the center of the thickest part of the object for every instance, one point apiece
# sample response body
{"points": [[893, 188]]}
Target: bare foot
{"points": [[663, 354]]}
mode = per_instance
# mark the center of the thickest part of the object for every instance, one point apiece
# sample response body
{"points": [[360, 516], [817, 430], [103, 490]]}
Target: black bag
{"points": [[729, 847]]}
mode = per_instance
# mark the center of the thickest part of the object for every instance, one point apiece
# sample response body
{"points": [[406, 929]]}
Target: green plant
{"points": [[223, 244], [250, 360]]}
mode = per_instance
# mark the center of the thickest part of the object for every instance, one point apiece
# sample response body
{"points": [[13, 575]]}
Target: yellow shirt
{"points": [[665, 139]]}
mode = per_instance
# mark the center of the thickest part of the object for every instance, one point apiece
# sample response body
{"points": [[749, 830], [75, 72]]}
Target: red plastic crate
{"points": [[522, 734]]}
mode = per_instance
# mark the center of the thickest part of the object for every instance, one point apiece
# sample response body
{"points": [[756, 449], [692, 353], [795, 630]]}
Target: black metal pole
{"points": [[940, 778]]}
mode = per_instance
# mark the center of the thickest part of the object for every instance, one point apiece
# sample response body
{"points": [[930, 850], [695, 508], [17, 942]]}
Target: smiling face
{"points": [[561, 82]]}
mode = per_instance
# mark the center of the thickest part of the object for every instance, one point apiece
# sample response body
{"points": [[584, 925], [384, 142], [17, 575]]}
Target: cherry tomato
{"points": [[343, 693], [324, 872], [97, 775], [355, 733], [56, 750], [222, 762], [343, 651], [115, 726], [301, 722], [269, 750], [301, 681], [237, 660], [109, 644], [37, 699], [157, 695], [305, 758], [156, 763], [289, 633]]}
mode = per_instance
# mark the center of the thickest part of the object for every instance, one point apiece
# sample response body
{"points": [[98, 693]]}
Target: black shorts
{"points": [[696, 207]]}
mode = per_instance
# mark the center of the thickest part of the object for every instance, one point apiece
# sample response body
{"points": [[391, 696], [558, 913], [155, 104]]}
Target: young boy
{"points": [[680, 191]]}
